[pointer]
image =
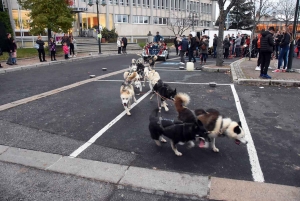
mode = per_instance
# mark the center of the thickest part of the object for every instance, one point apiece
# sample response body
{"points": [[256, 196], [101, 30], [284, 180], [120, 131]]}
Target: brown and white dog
{"points": [[127, 96], [212, 120], [134, 78]]}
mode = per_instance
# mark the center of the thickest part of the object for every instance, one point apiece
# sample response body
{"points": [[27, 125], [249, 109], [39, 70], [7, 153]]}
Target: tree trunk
{"points": [[219, 61]]}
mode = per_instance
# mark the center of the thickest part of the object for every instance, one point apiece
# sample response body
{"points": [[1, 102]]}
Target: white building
{"points": [[133, 18]]}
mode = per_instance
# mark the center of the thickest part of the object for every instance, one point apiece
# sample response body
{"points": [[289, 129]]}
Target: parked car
{"points": [[153, 49]]}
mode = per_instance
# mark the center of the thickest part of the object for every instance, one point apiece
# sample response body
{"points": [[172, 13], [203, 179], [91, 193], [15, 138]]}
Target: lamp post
{"points": [[99, 31], [192, 17], [291, 53]]}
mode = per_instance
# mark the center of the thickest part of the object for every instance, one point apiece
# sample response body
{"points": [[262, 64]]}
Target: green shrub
{"points": [[109, 35]]}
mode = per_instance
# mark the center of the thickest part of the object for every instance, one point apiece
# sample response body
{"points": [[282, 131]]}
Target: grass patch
{"points": [[29, 52], [142, 44]]}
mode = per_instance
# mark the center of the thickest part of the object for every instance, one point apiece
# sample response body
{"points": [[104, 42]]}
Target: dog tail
{"points": [[181, 100]]}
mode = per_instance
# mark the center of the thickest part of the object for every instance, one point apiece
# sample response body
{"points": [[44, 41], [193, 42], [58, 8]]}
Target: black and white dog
{"points": [[165, 91], [177, 131]]}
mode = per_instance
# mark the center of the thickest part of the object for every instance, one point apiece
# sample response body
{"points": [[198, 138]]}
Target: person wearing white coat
{"points": [[119, 45]]}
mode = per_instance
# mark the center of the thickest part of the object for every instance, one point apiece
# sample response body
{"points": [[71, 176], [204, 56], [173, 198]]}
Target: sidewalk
{"points": [[243, 73], [158, 182], [28, 63]]}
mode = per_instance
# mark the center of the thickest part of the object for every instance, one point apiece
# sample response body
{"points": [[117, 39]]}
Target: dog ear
{"points": [[237, 130], [175, 91], [240, 124]]}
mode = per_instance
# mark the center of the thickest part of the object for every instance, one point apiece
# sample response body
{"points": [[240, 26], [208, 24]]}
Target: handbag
{"points": [[36, 46], [296, 50]]}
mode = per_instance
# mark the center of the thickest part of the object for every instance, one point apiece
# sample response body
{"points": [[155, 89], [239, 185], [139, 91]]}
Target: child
{"points": [[14, 53], [52, 49], [66, 50]]}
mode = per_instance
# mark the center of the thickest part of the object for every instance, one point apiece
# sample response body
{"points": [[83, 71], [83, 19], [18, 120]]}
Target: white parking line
{"points": [[257, 173], [104, 129]]}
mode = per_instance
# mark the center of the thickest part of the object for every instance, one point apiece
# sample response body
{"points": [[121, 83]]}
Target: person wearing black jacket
{"points": [[298, 46], [192, 48], [124, 40], [285, 47], [9, 48], [266, 50], [176, 44], [278, 38], [41, 49], [226, 46], [184, 48], [215, 44]]}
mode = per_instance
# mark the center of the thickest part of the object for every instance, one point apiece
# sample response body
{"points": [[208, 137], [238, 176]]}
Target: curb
{"points": [[239, 78], [152, 181], [30, 66], [218, 70]]}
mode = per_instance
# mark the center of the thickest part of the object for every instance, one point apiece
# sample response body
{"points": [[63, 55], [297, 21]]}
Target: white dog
{"points": [[134, 78], [127, 96]]}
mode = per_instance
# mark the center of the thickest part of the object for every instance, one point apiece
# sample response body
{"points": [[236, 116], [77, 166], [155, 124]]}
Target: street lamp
{"points": [[99, 31], [192, 17]]}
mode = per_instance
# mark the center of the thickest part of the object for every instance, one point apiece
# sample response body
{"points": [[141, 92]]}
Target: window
{"points": [[133, 2], [202, 8], [138, 3], [121, 18], [162, 4], [154, 2], [160, 20], [140, 19], [121, 2], [158, 2], [148, 3], [207, 23], [172, 4]]}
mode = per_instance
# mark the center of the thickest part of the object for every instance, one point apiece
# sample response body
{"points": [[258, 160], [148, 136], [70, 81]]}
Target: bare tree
{"points": [[178, 24], [222, 19], [285, 11]]}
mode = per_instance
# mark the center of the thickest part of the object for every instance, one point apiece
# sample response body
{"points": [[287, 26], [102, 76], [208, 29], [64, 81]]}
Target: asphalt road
{"points": [[62, 122]]}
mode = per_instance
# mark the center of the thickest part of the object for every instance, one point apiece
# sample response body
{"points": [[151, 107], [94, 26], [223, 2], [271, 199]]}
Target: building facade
{"points": [[131, 18]]}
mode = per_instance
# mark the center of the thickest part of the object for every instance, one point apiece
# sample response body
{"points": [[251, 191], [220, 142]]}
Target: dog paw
{"points": [[216, 150], [128, 113], [163, 140], [166, 109], [178, 153]]}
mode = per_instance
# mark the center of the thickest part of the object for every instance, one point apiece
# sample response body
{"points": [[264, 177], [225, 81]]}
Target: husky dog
{"points": [[153, 79], [134, 78], [165, 91], [133, 66], [213, 122], [127, 96], [152, 61], [177, 131]]}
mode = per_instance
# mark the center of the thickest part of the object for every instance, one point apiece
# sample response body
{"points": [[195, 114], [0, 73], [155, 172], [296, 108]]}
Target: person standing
{"points": [[119, 45], [285, 46], [226, 45], [203, 49], [52, 49], [215, 44], [278, 38], [41, 49], [72, 46], [258, 45], [184, 48], [14, 53], [238, 45], [124, 41], [298, 46], [157, 38], [66, 50], [9, 48], [266, 50], [192, 48], [176, 44]]}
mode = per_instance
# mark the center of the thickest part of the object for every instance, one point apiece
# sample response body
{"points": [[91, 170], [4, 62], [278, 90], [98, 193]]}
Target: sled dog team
{"points": [[192, 126]]}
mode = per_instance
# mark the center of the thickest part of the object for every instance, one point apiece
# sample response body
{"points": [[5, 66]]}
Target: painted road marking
{"points": [[55, 91], [104, 129], [257, 173]]}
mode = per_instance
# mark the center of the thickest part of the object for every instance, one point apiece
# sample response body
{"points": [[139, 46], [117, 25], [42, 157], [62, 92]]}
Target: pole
{"points": [[291, 53], [193, 21], [99, 39]]}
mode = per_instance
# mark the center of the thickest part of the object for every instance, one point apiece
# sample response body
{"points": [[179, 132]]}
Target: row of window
{"points": [[165, 4], [156, 20], [136, 19]]}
